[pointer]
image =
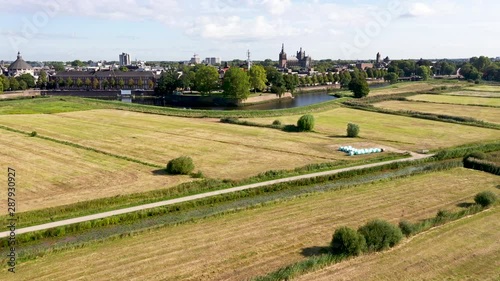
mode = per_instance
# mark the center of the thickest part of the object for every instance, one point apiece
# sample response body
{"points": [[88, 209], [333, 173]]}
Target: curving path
{"points": [[200, 196]]}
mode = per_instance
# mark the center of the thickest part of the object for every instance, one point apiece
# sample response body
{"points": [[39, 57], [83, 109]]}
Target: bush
{"points": [[306, 123], [33, 134], [407, 228], [352, 130], [485, 198], [347, 241], [180, 166], [475, 154], [277, 122], [380, 235], [198, 175]]}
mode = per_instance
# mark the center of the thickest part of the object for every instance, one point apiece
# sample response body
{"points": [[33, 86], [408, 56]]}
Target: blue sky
{"points": [[175, 30]]}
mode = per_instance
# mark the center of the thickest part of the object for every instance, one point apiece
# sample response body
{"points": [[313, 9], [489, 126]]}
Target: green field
{"points": [[43, 106], [464, 100], [405, 87], [253, 242], [475, 94], [391, 130], [485, 88], [487, 114], [467, 249]]}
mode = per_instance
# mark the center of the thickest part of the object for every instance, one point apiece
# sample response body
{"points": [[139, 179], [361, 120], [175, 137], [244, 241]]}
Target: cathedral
{"points": [[301, 60]]}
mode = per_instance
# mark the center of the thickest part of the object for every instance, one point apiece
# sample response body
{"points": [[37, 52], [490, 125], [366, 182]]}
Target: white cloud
{"points": [[420, 9]]}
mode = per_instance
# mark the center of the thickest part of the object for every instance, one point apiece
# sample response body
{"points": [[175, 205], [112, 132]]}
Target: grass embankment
{"points": [[401, 132], [422, 86], [466, 249], [487, 114], [238, 249], [455, 99], [470, 93]]}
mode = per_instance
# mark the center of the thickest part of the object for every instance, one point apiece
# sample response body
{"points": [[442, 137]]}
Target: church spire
{"points": [[282, 47]]}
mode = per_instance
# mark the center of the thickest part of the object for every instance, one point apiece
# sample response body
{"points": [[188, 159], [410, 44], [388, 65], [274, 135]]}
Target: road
{"points": [[199, 196]]}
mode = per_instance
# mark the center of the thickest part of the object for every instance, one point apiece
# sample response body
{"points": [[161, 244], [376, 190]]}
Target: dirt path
{"points": [[200, 196]]}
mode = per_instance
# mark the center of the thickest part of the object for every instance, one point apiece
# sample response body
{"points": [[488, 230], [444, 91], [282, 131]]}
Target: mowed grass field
{"points": [[467, 249], [218, 150], [405, 87], [488, 114], [397, 131], [254, 242], [457, 99], [50, 174], [475, 94], [484, 88]]}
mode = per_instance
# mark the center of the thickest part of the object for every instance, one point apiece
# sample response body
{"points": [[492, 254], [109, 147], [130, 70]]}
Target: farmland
{"points": [[467, 249], [158, 139], [464, 100], [488, 114], [401, 132], [412, 87], [238, 249], [55, 174]]}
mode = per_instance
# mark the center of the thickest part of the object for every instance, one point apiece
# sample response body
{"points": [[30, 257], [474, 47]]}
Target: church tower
{"points": [[379, 59], [282, 58]]}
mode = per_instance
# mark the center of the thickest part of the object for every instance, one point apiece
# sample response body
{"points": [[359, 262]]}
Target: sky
{"points": [[175, 30]]}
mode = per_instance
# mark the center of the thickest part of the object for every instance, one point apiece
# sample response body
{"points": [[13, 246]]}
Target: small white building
{"points": [[20, 67]]}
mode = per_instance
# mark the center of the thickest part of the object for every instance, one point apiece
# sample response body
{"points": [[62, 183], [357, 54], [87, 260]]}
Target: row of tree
{"points": [[21, 82]]}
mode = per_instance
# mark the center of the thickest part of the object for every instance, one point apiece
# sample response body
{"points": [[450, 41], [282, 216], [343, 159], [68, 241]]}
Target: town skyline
{"points": [[174, 30]]}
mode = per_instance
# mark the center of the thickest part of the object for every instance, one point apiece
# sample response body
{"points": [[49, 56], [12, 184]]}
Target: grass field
{"points": [[51, 174], [398, 131], [485, 88], [253, 242], [467, 249], [488, 114], [405, 87], [464, 100], [475, 94], [42, 105], [157, 139]]}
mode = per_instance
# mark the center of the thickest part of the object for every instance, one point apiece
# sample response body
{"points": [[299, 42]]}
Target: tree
{"points": [[424, 72], [28, 79], [480, 63], [352, 130], [95, 83], [274, 77], [77, 63], [169, 82], [88, 83], [123, 69], [79, 83], [140, 83], [112, 82], [380, 235], [58, 66], [391, 77], [206, 79], [469, 72], [345, 79], [121, 83], [105, 83], [131, 83], [290, 82], [69, 82], [306, 123], [359, 87], [347, 241], [188, 79], [1, 86], [258, 78], [14, 84], [485, 198], [236, 84], [22, 85], [5, 82], [180, 166], [42, 79], [151, 84]]}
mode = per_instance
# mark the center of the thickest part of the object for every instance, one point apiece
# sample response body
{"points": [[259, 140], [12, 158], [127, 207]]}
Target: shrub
{"points": [[407, 228], [476, 154], [33, 134], [277, 122], [306, 123], [485, 198], [380, 235], [180, 166], [347, 241], [352, 130], [198, 175]]}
